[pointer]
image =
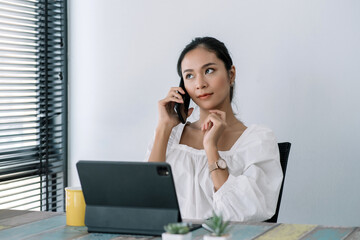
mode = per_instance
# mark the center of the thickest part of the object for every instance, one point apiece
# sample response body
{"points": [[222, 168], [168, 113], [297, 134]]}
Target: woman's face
{"points": [[206, 79]]}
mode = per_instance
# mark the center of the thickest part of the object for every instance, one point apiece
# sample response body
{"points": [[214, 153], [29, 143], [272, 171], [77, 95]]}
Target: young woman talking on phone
{"points": [[218, 163]]}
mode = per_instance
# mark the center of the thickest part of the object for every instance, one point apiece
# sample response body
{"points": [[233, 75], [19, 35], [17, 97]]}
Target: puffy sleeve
{"points": [[252, 188]]}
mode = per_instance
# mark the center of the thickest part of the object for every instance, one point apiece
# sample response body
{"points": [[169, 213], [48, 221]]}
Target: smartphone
{"points": [[182, 108]]}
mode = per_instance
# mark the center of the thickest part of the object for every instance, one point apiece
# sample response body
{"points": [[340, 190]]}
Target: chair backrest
{"points": [[284, 149]]}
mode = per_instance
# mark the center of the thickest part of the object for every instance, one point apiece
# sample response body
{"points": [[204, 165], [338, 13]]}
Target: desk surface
{"points": [[48, 225]]}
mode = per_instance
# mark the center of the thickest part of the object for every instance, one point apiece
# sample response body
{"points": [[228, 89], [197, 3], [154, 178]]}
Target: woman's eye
{"points": [[188, 76], [209, 70]]}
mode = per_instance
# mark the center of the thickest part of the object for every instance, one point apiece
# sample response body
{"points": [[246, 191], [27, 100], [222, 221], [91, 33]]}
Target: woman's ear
{"points": [[232, 74]]}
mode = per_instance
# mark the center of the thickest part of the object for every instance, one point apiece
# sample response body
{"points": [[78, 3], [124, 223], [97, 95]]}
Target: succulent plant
{"points": [[217, 225], [176, 228]]}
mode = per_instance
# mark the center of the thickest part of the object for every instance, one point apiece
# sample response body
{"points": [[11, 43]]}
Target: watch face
{"points": [[221, 163]]}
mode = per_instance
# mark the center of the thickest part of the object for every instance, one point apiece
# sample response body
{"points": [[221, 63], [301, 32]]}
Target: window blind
{"points": [[33, 105]]}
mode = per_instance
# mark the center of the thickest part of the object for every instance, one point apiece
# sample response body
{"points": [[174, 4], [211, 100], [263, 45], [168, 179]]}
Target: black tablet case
{"points": [[128, 197]]}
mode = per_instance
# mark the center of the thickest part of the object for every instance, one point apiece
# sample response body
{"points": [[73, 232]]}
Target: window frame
{"points": [[48, 160]]}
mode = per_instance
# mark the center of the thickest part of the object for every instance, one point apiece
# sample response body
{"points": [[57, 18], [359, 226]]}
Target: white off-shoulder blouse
{"points": [[252, 188]]}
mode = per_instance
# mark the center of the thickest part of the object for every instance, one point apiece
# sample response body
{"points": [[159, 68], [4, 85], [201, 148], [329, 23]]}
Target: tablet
{"points": [[128, 197]]}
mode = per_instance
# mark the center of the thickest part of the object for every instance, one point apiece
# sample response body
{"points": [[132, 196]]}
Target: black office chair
{"points": [[284, 149]]}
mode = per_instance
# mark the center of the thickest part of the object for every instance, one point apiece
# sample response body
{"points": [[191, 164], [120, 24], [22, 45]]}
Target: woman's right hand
{"points": [[167, 115]]}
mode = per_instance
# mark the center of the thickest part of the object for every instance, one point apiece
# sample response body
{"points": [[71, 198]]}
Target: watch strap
{"points": [[213, 166]]}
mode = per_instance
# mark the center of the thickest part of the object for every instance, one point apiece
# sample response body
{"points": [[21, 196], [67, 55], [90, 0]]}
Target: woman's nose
{"points": [[200, 82]]}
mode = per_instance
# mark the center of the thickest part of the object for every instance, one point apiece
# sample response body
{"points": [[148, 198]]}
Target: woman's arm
{"points": [[158, 152], [252, 189], [218, 176], [213, 127], [168, 119]]}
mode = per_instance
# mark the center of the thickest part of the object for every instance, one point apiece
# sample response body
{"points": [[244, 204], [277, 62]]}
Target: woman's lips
{"points": [[204, 96]]}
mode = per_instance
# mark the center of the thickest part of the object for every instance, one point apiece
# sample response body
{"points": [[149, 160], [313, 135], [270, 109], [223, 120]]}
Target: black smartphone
{"points": [[182, 108]]}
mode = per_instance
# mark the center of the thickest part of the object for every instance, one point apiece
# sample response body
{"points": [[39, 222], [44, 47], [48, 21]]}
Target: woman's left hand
{"points": [[213, 127]]}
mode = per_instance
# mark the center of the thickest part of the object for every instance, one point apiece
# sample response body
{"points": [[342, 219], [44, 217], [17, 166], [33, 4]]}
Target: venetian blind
{"points": [[33, 112]]}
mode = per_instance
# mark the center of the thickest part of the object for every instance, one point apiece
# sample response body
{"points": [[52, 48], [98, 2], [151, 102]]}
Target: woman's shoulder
{"points": [[176, 133], [255, 135], [259, 131], [258, 143]]}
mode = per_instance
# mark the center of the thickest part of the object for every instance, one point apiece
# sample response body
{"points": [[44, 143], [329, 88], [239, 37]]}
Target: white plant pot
{"points": [[210, 237], [169, 236]]}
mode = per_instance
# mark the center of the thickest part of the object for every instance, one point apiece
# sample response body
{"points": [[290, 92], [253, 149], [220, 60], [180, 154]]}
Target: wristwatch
{"points": [[219, 164]]}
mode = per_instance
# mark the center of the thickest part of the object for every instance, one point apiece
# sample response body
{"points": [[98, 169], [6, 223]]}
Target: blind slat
{"points": [[17, 11], [31, 157]]}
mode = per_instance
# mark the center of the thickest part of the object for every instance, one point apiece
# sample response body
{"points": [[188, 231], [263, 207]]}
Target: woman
{"points": [[218, 163]]}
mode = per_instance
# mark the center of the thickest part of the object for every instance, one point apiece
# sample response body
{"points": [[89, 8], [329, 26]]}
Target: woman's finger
{"points": [[213, 119], [207, 124], [176, 98], [166, 102], [177, 89], [175, 94], [171, 98], [219, 113]]}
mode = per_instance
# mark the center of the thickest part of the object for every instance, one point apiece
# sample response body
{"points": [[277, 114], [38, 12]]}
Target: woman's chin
{"points": [[209, 107], [212, 105]]}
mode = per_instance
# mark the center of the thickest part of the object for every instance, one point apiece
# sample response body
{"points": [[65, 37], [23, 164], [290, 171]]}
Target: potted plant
{"points": [[176, 231], [218, 227]]}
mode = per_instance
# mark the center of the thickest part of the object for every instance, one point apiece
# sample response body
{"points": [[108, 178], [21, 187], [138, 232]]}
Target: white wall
{"points": [[297, 72]]}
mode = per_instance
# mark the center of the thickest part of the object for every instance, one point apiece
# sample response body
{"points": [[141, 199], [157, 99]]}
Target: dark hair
{"points": [[212, 45]]}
